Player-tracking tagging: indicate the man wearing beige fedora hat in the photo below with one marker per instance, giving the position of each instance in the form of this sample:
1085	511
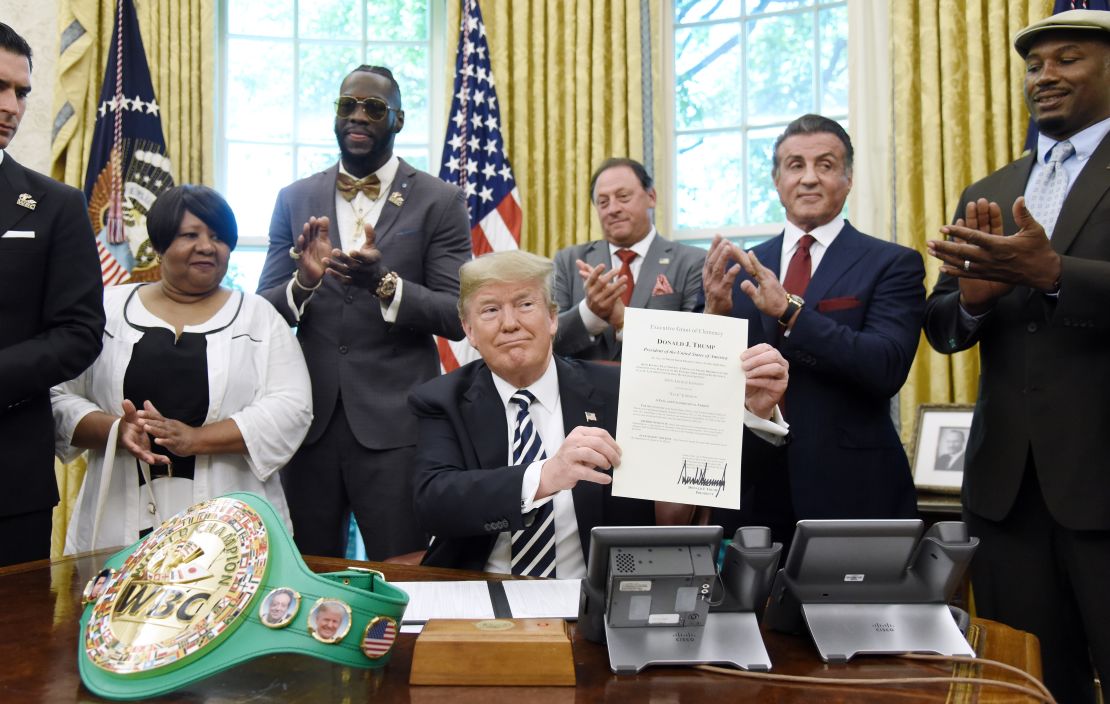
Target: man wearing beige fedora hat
1026	274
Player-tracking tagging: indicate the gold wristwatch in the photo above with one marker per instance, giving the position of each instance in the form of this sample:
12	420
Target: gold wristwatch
387	286
793	305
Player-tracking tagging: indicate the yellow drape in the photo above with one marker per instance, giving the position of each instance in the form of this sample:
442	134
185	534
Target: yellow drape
179	39
958	116
569	85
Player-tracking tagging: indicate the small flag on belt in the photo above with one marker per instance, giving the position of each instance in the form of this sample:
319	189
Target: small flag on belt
379	637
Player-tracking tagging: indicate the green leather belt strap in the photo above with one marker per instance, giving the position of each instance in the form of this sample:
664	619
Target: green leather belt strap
220	584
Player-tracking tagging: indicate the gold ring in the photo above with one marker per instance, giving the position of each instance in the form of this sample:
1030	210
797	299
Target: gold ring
294	254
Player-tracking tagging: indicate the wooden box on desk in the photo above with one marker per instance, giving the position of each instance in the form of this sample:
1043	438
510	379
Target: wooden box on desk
520	651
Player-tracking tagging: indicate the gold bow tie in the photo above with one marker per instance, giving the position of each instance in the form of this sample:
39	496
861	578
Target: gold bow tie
348	186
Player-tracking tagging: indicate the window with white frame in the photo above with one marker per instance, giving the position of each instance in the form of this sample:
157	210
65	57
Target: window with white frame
281	64
742	70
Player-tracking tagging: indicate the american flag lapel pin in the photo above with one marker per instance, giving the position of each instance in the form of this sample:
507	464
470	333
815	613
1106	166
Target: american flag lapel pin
591	417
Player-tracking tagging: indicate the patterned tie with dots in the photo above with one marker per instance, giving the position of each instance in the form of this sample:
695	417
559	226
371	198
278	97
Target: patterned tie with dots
1051	187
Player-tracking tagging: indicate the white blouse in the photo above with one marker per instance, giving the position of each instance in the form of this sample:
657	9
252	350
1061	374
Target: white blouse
256	376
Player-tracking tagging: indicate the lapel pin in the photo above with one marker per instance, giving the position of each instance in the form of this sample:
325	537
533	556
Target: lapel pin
665	260
591	417
26	201
397	199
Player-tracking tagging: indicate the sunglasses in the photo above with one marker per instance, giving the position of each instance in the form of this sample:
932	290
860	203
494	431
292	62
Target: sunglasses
376	108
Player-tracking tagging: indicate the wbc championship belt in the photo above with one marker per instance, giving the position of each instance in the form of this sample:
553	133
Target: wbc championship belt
219	584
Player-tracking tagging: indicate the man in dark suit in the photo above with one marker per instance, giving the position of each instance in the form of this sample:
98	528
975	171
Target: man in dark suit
493	501
391	239
1026	275
593	284
51	317
845	309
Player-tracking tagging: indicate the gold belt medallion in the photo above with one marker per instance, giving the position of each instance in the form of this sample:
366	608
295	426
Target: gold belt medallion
184	588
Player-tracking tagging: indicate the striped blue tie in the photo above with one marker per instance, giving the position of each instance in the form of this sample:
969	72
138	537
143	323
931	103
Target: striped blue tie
533	547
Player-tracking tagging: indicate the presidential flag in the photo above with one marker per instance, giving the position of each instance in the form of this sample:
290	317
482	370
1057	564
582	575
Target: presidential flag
1032	132
128	167
474	158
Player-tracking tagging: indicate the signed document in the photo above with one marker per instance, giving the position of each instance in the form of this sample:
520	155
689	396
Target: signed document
681	416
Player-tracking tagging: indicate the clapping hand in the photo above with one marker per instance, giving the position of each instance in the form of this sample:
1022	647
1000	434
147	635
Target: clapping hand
362	267
979	252
134	438
312	248
175	436
604	291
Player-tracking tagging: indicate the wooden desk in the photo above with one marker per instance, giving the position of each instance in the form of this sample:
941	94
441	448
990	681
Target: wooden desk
39	637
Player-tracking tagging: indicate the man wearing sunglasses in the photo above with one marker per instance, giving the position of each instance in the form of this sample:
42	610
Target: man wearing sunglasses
364	260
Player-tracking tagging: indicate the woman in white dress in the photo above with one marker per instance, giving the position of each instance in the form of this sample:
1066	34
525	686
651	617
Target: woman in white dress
201	390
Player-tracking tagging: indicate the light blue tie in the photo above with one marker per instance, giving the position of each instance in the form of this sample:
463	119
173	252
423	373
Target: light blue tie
1048	193
533	547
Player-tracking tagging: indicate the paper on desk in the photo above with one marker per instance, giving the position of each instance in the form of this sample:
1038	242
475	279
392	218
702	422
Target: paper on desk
540	598
427	600
543	598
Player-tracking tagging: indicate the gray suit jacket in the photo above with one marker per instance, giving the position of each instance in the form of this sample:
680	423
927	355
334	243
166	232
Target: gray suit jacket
681	264
347	344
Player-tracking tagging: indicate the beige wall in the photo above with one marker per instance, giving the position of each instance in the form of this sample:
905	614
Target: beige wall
37	21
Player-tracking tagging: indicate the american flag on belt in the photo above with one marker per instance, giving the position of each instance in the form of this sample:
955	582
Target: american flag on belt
474	158
379	637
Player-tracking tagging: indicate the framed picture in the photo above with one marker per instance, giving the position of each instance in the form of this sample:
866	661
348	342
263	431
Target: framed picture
939	446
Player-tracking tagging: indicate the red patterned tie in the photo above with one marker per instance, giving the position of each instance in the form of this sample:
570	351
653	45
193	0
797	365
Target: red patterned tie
799	270
626	257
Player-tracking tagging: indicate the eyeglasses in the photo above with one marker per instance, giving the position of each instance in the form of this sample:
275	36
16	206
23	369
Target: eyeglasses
376	108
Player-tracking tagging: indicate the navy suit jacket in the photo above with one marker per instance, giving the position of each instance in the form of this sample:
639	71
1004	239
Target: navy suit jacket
465	494
1044	380
850	351
424	235
51	321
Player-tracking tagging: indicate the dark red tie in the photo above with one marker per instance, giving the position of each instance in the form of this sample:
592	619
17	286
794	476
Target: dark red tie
799	270
626	256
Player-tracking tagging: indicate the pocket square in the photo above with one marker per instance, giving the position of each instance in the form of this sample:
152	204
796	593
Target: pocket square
26	234
844	303
662	286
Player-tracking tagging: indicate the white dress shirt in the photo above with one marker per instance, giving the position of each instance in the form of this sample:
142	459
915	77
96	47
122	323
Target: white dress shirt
546	413
824	236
